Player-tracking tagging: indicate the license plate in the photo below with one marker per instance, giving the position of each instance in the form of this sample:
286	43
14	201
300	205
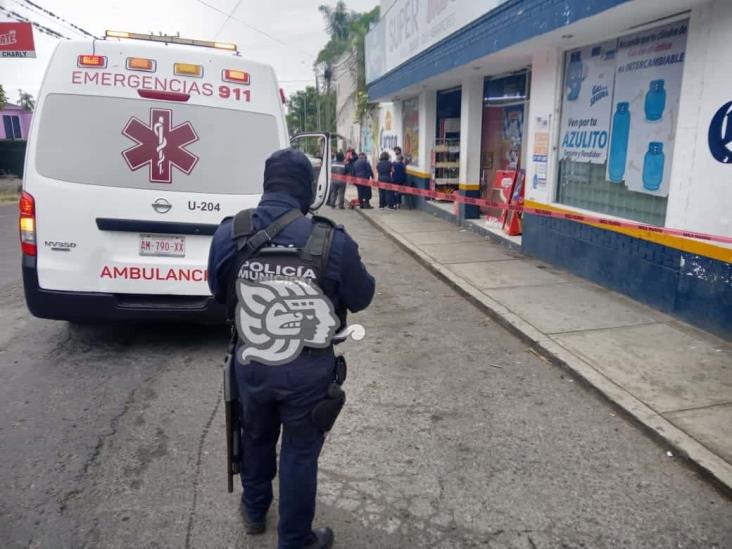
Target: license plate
165	246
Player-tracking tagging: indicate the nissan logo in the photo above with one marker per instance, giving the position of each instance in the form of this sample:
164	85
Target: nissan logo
161	205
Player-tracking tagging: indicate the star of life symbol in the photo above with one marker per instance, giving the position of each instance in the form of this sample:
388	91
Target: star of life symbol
277	317
160	145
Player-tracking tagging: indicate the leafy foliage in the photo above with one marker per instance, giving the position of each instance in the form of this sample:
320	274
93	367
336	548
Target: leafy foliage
3	98
304	106
26	101
315	109
347	30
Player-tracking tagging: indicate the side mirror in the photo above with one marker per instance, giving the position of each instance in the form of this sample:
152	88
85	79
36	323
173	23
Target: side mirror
316	147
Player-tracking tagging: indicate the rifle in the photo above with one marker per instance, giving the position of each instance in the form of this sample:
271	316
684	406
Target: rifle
233	413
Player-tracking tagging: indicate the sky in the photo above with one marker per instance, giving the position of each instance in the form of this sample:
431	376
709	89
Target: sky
284	33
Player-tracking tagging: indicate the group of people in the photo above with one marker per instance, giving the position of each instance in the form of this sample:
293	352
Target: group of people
388	170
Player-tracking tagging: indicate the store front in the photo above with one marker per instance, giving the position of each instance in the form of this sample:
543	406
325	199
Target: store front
611	109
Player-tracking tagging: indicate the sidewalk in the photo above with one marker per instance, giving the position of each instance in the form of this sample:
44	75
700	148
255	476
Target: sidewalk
674	379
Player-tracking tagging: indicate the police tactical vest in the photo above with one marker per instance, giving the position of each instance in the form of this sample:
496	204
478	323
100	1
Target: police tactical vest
276	298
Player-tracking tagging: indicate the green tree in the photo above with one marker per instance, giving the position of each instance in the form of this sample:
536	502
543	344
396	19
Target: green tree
347	30
3	99
338	20
26	101
302	111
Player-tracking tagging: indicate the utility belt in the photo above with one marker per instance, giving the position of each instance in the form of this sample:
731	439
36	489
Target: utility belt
312	351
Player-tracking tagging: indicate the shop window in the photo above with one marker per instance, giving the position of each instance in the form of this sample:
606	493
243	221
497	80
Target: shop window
619	110
12	126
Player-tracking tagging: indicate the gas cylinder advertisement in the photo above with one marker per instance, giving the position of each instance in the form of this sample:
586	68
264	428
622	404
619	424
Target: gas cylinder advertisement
645	108
620	107
588	88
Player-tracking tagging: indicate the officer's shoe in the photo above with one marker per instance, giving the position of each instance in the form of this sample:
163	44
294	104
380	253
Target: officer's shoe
323	539
251	527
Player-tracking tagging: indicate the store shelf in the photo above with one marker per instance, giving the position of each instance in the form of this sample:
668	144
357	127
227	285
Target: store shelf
446	164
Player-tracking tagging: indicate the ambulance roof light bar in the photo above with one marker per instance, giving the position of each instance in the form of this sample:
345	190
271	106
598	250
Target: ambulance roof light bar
167	39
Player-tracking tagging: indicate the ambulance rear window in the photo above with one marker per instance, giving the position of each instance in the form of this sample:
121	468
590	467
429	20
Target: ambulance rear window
159	145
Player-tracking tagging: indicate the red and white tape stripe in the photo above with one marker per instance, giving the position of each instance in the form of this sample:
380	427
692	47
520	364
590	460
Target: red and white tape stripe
462	199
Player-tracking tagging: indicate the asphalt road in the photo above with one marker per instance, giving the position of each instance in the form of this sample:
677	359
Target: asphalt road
454	435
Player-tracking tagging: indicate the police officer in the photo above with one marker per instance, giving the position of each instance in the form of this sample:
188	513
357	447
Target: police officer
275	398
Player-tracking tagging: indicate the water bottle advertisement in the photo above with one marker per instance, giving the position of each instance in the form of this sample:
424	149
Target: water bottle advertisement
588	87
649	67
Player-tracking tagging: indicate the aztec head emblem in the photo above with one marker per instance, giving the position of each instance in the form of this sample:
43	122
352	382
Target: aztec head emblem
276	318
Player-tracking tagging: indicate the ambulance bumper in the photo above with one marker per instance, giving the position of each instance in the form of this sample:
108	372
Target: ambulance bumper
108	307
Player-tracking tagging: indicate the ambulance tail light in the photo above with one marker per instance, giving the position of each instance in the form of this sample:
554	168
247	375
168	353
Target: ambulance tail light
27	207
283	97
188	69
140	64
237	77
92	61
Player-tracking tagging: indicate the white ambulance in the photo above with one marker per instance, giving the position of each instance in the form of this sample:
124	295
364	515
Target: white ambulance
138	149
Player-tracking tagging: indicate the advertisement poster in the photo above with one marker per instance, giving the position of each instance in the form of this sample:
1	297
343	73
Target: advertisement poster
588	89
387	134
645	108
410	127
513	131
541	152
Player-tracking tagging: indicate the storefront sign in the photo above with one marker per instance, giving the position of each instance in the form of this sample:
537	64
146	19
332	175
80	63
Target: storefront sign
646	103
410	26
16	40
588	87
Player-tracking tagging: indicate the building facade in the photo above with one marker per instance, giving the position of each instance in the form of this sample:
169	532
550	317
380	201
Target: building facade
612	108
15	122
345	83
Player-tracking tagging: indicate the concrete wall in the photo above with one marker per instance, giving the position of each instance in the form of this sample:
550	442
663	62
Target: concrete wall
345	83
700	197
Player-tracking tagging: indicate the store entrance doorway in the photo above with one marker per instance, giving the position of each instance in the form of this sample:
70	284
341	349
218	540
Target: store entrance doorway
446	157
503	147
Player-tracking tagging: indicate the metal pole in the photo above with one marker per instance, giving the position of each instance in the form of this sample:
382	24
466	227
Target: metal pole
317	100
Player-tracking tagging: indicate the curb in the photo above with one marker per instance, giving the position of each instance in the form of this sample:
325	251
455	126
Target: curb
710	465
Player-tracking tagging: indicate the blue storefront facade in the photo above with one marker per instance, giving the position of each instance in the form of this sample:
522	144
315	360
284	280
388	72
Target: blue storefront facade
611	108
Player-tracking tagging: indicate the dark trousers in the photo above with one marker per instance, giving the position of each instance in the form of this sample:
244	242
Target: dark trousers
364	193
395	198
337	194
384	198
410	201
271	397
